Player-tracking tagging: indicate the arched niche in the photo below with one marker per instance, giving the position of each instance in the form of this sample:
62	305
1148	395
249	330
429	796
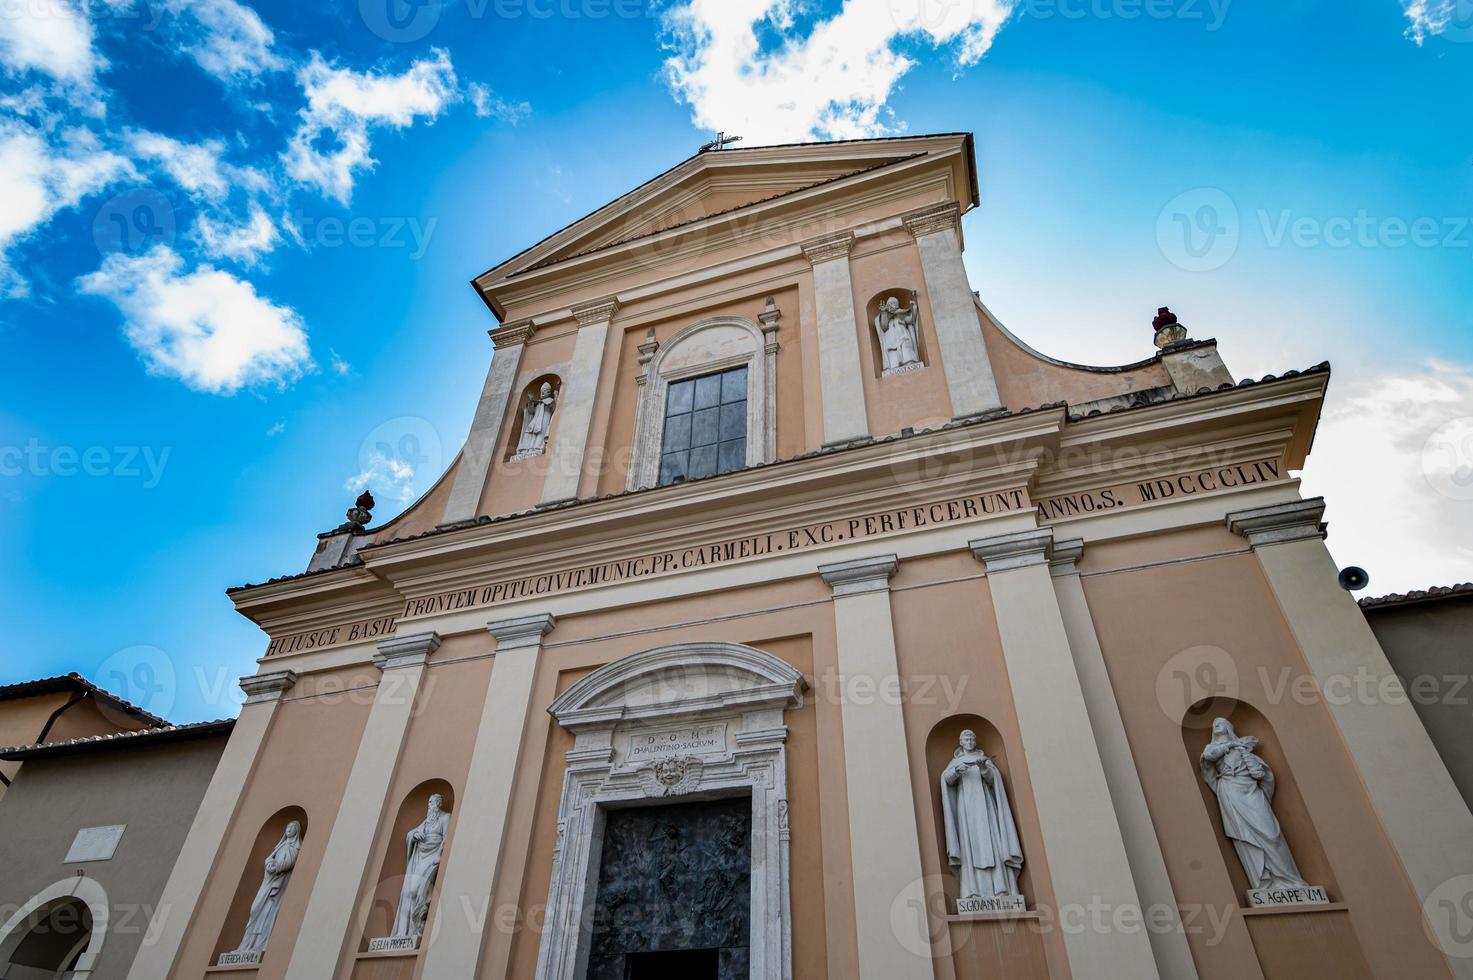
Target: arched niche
65	923
519	417
384	900
1288	802
941	746
250	876
676	724
909	299
707	347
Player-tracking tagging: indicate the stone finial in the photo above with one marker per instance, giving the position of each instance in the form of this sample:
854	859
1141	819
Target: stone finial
362	510
1168	328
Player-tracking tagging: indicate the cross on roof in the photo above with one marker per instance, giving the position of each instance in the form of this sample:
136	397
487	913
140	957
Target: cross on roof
721	142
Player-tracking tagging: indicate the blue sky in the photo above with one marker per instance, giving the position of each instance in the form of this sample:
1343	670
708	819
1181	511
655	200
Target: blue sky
235	240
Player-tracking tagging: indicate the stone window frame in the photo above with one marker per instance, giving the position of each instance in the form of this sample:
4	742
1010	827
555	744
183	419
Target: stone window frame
745	689
761	364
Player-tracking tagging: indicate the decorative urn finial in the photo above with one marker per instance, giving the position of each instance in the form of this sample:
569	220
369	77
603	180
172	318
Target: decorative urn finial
1168	328
362	510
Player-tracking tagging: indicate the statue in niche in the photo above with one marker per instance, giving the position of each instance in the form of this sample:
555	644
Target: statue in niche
425	842
537	421
896	327
1244	785
279	865
981	838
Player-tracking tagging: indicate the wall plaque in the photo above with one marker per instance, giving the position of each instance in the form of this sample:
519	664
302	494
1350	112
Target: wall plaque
95	844
685	740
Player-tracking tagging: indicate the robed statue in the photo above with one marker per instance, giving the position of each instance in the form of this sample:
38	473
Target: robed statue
981	838
537	421
279	865
1244	785
426	842
895	325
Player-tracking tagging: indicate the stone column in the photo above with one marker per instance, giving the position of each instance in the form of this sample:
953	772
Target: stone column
963	351
212	822
458	934
1142	848
576	401
889	900
1426	819
841	380
491	411
1086	849
334	895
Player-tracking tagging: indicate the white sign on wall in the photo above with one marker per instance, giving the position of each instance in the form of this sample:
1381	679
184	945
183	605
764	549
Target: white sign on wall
95	844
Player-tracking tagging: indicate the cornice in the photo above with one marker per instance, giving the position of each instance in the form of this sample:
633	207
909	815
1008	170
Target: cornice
597	311
1302	520
1064	557
942	217
411	650
1021	549
829	248
524	631
270	686
513	333
859	576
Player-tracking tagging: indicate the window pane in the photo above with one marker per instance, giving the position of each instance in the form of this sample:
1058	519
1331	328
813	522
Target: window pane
734	421
708	391
678	398
677	433
705	430
733	455
672	467
702	462
734	385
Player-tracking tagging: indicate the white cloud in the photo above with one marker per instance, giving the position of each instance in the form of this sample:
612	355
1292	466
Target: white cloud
387	477
244	242
1428	17
331	143
227	39
487	103
196	167
276	430
53	37
834	82
39	178
1394	459
340	366
206	327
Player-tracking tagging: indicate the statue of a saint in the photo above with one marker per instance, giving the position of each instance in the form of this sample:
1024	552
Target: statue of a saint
981	838
267	904
425	844
895	325
1244	785
537	421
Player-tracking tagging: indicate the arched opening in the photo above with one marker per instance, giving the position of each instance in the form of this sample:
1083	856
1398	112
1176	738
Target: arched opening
384	902
58	933
252	876
1288	800
522	445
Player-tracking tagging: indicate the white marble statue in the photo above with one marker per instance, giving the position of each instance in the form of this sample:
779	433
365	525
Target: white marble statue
981	838
425	844
267	904
537	421
1244	785
896	327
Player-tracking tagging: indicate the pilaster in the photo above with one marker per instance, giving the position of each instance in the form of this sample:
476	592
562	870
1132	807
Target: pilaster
890	910
841	382
964	356
324	933
474	859
579	395
1081	833
1425	817
510	341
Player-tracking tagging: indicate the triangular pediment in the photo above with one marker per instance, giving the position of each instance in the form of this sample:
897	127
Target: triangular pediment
713	184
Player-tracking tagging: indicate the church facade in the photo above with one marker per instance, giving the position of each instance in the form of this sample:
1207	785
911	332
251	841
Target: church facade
784	616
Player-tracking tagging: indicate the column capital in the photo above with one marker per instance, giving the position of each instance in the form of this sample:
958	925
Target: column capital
860	575
940	217
597	311
1300	520
1063	555
1020	549
829	248
513	333
406	651
524	631
268	687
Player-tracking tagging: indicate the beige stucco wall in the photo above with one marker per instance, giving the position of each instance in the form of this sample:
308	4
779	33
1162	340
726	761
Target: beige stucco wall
23	719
